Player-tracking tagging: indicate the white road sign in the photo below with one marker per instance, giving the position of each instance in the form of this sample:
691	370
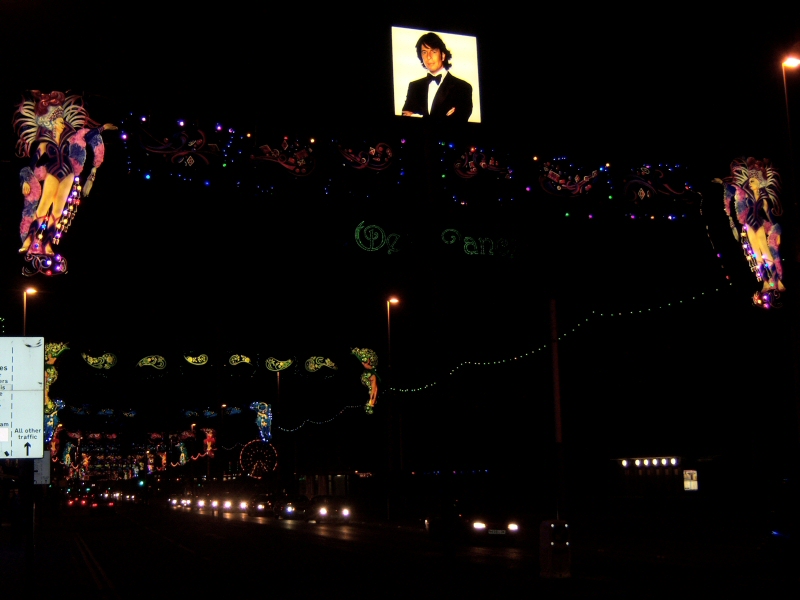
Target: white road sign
21	397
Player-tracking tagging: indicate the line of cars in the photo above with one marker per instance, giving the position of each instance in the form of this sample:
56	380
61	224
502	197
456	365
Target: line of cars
92	502
319	509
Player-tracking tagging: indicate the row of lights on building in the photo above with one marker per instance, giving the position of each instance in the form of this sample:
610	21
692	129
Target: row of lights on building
647	462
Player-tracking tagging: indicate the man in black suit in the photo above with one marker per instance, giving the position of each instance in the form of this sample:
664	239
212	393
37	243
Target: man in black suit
439	95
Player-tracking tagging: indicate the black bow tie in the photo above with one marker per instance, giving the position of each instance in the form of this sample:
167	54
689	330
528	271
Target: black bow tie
437	79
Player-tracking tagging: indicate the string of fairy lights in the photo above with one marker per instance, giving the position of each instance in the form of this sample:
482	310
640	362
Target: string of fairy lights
544	347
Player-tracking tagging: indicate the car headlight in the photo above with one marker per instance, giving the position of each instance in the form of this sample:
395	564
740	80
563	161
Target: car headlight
346	512
513	527
227	504
243	505
290	508
260	507
323	511
201	503
478	525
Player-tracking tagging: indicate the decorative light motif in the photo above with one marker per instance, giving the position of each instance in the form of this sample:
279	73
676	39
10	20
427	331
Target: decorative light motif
753	184
559	179
294	156
181	148
374	238
377	158
315	363
263	419
106	361
155	361
199	360
238	359
273	364
473	161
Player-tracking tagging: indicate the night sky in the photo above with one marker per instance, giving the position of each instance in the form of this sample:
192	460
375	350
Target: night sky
664	351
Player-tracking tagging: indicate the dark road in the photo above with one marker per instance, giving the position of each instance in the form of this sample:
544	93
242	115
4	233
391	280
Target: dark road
161	552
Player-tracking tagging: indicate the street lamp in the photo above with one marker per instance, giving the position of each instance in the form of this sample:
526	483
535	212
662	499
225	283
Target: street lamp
389	303
25	309
791	61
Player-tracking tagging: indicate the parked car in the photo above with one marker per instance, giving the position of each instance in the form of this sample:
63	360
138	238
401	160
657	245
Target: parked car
292	507
263	504
329	509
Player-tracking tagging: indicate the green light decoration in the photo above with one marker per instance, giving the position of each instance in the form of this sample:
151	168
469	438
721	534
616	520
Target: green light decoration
315	363
155	361
481	245
375	238
106	361
238	359
273	364
199	360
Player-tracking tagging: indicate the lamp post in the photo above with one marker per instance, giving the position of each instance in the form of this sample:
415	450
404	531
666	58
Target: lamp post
25	309
389	303
792	62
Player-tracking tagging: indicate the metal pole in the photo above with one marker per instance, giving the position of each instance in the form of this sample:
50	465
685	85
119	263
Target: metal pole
24	313
560	466
556	376
388	334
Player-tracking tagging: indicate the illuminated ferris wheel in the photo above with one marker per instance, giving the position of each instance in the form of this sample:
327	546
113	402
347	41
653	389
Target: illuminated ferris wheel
258	458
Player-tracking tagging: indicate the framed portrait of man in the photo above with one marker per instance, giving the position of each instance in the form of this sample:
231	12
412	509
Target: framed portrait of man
435	75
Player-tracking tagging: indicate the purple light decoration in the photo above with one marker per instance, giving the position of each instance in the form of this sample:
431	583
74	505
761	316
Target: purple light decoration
403	141
633	216
591	216
527	188
219	127
181	123
144	119
124	136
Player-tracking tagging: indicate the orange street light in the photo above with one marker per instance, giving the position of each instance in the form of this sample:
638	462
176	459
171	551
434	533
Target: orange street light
25	309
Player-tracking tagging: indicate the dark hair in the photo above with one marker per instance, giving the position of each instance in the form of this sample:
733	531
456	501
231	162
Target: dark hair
432	40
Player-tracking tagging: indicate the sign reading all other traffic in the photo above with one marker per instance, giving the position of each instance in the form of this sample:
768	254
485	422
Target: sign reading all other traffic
21	397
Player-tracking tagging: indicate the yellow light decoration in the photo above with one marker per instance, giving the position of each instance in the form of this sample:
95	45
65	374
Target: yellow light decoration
238	359
106	361
315	363
273	364
155	361
202	359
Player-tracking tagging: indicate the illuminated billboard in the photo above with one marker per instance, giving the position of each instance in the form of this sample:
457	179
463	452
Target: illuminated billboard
435	75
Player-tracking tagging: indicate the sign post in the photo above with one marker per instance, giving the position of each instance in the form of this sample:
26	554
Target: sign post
21	397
